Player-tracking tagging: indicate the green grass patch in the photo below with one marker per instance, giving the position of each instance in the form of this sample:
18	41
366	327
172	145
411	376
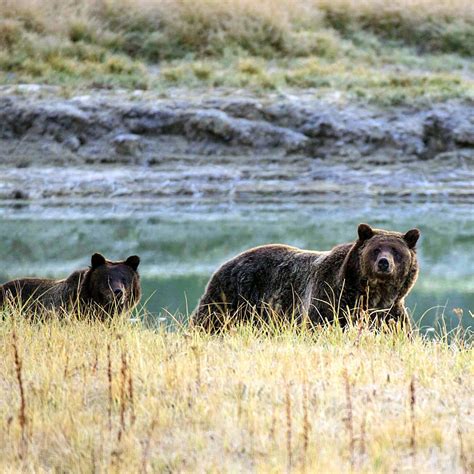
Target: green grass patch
378	53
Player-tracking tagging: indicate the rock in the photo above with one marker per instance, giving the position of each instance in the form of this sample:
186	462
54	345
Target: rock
19	194
437	135
464	132
72	143
89	124
217	125
213	125
243	108
127	144
322	127
154	121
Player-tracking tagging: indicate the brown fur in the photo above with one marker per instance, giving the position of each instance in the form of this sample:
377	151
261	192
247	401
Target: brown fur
105	285
294	283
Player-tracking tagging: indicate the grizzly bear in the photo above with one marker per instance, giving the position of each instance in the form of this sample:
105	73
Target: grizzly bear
370	276
106	287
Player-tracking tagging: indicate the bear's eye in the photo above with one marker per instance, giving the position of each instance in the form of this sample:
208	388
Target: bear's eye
376	251
396	254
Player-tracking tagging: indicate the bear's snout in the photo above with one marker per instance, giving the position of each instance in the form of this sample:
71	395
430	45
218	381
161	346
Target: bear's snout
118	293
383	264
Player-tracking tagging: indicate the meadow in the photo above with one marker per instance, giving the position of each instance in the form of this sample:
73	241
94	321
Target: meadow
376	51
134	396
114	397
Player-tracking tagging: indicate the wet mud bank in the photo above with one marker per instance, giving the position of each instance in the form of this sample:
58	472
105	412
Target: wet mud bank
111	145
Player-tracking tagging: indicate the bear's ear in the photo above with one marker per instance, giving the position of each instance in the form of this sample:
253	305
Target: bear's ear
365	232
411	237
97	260
133	262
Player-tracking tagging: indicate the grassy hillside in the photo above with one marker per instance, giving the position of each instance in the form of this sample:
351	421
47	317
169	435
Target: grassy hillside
374	50
110	398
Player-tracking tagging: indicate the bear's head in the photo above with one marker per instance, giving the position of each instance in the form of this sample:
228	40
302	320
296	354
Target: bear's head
387	256
113	286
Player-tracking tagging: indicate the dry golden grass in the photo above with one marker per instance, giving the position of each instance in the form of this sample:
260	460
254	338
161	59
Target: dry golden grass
123	398
355	48
171	28
416	10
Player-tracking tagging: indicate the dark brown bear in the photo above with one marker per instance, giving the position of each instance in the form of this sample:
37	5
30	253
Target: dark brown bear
107	287
371	275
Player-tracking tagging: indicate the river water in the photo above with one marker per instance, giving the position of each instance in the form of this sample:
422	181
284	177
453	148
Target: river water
181	242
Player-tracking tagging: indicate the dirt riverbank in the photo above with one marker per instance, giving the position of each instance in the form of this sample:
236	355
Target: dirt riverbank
136	145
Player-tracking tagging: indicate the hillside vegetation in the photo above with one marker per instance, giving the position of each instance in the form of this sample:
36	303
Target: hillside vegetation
123	398
372	49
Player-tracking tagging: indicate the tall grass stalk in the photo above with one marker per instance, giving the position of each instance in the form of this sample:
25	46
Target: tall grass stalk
22	418
289	425
349	417
123	394
412	418
109	385
306	424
